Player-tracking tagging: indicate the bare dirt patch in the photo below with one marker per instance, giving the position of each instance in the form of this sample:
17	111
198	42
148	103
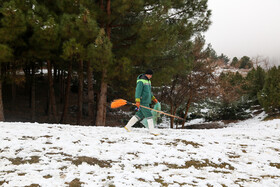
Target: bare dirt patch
33	185
2	182
62	168
177	141
200	164
161	181
18	150
19	161
59	153
233	155
90	161
271	176
27	138
77	142
147	143
192	163
75	183
277	165
212	125
46	136
272	116
21	174
47	176
135	154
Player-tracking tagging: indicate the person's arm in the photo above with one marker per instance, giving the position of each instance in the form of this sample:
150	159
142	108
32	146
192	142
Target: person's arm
154	99
138	92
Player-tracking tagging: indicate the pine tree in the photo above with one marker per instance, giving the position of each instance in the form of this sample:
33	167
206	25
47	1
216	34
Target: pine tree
78	23
101	54
117	39
5	56
12	25
191	86
245	63
72	51
148	34
42	43
255	81
269	96
235	62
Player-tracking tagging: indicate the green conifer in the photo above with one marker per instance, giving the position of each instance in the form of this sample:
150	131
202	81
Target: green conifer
269	97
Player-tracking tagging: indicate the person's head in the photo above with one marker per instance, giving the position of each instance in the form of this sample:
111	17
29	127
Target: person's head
149	73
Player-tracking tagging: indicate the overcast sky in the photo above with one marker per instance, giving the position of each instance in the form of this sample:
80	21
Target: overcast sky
245	28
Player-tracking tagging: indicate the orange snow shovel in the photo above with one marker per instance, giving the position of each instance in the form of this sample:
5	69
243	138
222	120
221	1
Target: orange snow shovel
121	102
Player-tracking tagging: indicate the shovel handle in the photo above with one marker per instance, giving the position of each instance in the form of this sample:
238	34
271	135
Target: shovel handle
158	111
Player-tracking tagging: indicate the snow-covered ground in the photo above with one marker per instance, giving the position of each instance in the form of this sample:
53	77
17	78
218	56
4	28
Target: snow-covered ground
244	154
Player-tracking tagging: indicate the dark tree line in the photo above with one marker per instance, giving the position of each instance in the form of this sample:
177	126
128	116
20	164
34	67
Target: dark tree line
98	45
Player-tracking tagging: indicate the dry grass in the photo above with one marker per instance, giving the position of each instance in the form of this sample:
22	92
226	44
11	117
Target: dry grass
61	153
272	117
200	164
177	141
192	163
90	161
75	183
233	155
47	176
21	174
2	182
33	185
277	165
19	161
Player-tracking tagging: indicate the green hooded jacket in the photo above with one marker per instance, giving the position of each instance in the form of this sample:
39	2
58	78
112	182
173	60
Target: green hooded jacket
143	92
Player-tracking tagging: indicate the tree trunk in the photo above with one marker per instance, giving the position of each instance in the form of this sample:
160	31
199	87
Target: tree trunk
171	118
102	101
90	92
62	86
187	110
101	112
80	93
55	73
66	99
108	27
2	118
52	104
14	89
33	97
173	112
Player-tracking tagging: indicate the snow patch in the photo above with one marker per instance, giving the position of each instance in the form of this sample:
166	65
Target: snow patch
244	154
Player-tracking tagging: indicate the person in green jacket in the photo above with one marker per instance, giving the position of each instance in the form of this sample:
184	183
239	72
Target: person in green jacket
144	97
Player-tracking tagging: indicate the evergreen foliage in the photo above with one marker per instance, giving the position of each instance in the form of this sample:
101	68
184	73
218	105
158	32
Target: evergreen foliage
269	96
224	58
234	62
117	39
193	82
255	82
215	110
233	111
245	63
100	51
6	53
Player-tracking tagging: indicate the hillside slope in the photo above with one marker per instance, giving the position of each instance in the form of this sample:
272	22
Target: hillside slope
246	154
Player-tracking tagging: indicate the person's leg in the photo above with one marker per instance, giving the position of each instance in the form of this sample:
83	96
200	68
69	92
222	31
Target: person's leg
138	116
130	123
152	129
148	115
